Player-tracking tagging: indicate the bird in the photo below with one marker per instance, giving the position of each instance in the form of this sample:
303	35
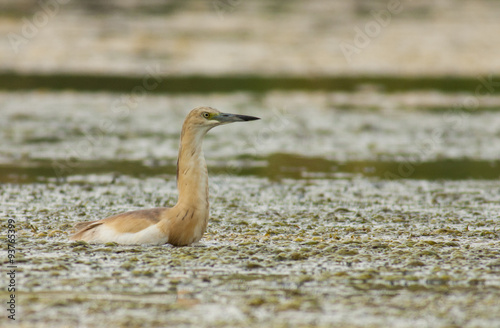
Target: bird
186	222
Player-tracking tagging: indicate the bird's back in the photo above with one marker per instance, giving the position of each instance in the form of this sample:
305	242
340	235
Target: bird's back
135	227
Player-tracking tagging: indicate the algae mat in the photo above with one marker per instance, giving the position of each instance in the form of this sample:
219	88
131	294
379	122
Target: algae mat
295	253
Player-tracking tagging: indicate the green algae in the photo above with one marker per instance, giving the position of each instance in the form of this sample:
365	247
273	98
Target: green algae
287	258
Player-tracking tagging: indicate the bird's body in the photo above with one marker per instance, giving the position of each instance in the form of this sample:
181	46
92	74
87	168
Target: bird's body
184	223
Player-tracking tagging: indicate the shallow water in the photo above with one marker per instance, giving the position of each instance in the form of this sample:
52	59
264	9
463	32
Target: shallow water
413	127
297	252
274	167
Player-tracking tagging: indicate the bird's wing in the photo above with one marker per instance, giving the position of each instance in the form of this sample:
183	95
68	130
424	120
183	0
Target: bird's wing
129	222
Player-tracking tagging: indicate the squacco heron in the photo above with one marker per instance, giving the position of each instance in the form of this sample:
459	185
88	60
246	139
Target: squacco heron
184	223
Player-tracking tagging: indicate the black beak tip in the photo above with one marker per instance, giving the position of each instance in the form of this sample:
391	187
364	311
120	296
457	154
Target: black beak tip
249	118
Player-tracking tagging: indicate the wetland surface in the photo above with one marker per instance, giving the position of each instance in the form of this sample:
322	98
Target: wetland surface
336	209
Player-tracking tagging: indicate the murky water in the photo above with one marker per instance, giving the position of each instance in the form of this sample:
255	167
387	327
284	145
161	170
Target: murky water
297	252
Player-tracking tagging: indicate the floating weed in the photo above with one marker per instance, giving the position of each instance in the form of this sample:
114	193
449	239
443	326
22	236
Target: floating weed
390	257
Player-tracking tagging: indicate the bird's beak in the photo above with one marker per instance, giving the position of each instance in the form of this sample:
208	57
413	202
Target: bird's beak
229	118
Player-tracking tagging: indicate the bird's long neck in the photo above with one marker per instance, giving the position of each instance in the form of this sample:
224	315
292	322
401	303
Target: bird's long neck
192	174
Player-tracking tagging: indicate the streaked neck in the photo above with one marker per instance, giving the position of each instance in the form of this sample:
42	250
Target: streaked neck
192	174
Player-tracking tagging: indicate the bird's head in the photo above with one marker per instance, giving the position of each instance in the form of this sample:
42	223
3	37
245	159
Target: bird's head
205	118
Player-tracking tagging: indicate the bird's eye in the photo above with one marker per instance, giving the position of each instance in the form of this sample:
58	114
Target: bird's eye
206	114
